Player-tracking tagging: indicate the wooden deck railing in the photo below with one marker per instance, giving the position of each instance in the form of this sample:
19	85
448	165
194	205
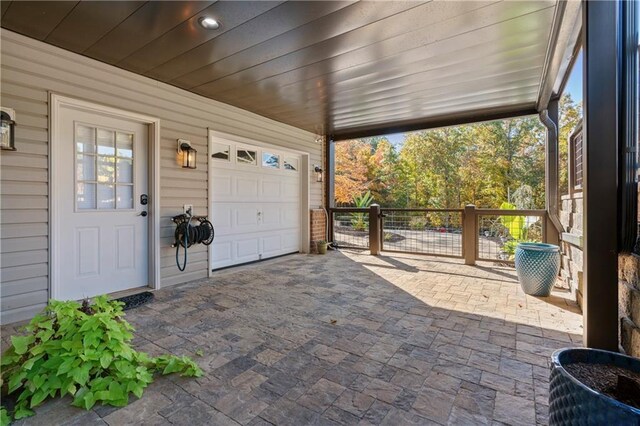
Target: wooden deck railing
470	233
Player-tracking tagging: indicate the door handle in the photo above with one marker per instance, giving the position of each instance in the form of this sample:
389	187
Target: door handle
143	214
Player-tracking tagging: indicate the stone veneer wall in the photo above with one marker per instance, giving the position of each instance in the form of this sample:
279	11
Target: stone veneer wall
629	303
628	274
571	244
318	227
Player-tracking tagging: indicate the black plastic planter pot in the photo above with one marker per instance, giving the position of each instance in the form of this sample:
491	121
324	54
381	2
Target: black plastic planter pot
573	403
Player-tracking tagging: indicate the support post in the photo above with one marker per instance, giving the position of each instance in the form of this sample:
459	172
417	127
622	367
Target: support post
374	229
329	182
601	91
552	182
469	235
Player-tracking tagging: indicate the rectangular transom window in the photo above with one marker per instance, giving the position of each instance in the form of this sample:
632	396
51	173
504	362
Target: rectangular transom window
291	163
104	169
271	161
220	151
246	156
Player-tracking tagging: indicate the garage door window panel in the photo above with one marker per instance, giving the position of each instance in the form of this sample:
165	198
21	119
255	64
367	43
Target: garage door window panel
270	161
247	156
221	151
291	164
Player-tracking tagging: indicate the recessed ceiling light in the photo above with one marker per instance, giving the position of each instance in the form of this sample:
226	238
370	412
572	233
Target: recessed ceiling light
209	23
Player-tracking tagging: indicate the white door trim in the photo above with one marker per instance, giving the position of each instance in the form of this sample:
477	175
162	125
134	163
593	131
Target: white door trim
56	102
305	181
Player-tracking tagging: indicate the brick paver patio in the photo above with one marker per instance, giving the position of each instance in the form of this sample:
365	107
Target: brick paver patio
347	338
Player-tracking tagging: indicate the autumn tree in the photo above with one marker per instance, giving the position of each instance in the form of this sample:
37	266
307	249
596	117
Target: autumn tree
570	116
483	163
352	168
383	172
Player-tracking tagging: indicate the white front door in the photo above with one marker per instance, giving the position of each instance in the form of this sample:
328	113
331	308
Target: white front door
101	174
255	202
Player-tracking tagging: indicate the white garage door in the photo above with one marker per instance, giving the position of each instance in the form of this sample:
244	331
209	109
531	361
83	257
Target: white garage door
255	205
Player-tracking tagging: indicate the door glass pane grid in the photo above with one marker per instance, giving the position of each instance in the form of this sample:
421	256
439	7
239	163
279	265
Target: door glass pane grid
104	169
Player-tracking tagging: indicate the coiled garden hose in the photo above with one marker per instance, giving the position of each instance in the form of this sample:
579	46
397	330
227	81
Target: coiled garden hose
186	235
185	243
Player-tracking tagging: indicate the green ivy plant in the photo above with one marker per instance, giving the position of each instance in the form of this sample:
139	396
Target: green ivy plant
5	419
83	350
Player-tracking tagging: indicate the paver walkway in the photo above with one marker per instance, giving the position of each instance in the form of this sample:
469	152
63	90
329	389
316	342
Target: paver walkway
347	338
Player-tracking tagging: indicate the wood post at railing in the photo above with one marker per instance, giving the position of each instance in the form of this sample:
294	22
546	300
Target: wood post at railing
469	235
374	229
549	232
330	230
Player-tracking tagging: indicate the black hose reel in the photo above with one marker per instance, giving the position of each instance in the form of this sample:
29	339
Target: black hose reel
187	234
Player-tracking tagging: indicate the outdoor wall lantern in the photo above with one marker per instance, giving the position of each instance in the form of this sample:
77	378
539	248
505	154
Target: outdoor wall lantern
8	129
186	154
318	172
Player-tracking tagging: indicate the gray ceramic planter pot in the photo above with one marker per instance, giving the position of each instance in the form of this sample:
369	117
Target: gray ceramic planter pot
573	403
537	265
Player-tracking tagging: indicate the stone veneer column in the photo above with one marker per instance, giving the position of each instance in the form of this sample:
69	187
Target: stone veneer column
629	303
318	228
571	244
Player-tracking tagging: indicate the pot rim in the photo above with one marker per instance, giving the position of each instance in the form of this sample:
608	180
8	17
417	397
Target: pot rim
550	248
555	361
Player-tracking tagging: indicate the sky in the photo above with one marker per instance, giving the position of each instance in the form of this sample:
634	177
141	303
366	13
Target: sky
573	87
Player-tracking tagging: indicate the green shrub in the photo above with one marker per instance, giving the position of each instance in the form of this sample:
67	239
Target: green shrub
4	417
359	222
83	350
510	247
435	220
418	223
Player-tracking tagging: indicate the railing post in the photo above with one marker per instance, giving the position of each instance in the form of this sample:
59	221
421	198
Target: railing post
469	235
329	212
374	229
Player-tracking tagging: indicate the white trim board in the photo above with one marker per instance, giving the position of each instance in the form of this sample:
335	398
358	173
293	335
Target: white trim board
56	103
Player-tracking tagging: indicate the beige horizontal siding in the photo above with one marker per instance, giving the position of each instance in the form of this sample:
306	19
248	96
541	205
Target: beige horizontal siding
29	71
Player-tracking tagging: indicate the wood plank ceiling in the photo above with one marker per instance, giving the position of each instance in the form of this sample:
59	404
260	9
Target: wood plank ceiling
325	66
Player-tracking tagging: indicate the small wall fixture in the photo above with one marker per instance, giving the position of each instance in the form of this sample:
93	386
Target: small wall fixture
7	129
209	23
186	154
318	170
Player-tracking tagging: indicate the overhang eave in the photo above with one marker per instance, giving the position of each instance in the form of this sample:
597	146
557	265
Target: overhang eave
445	120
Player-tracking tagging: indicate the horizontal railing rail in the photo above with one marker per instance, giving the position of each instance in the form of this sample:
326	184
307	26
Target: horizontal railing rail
350	210
388	209
534	212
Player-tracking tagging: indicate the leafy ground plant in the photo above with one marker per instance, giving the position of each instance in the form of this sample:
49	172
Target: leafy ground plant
358	219
83	350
